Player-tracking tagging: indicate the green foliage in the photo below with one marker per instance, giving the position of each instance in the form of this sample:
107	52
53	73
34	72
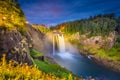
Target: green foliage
35	53
117	45
113	52
50	68
98	25
44	30
8	71
53	69
41	28
93	51
12	17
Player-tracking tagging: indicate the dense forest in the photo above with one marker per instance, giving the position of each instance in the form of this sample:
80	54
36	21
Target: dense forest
94	25
102	36
100	25
21	43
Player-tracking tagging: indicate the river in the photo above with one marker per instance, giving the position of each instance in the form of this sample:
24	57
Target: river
80	65
83	66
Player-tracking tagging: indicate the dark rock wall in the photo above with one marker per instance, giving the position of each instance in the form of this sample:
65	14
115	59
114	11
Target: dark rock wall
15	46
8	40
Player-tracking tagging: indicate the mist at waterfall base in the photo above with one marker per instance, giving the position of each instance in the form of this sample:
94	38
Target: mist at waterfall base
64	50
68	57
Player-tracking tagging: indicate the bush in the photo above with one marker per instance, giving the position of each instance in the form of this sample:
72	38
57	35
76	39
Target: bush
52	68
112	52
8	71
35	53
12	17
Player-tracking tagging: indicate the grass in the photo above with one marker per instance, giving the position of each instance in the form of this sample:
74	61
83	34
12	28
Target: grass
35	53
12	17
109	54
39	71
49	68
8	71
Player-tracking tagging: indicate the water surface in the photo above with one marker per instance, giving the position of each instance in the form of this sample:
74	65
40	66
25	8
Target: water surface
83	66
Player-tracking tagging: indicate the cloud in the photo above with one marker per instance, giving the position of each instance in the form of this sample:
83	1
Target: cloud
58	11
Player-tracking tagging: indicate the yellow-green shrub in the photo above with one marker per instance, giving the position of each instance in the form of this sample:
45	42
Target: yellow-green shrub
11	71
12	17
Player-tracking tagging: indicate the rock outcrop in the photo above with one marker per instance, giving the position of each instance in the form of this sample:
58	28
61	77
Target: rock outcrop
37	37
17	37
40	41
15	46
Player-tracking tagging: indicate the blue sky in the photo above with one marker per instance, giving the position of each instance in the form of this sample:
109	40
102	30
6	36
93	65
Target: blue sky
52	12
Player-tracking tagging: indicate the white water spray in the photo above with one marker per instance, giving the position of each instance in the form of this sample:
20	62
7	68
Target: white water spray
53	46
61	43
61	47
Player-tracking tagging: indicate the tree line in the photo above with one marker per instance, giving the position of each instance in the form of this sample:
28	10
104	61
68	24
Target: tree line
93	26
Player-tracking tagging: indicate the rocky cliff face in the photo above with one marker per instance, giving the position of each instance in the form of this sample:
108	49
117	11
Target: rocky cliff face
40	41
15	46
12	26
94	40
36	37
16	36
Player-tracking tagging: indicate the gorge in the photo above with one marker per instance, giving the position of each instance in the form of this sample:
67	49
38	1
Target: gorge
81	66
77	49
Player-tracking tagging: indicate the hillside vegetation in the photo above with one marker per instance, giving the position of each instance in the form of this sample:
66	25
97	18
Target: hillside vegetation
15	63
24	72
41	28
12	17
49	68
98	36
93	26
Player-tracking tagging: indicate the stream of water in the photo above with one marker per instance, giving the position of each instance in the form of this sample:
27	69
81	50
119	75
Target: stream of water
82	66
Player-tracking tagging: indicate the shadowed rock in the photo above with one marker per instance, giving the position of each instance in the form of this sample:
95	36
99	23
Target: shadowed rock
15	46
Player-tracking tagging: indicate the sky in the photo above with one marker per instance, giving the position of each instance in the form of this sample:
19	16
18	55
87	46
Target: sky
52	12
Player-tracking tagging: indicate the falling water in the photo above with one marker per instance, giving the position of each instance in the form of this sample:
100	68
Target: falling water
53	46
61	43
79	65
61	47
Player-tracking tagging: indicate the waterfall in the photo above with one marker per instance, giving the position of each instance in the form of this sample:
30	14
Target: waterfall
53	45
61	43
